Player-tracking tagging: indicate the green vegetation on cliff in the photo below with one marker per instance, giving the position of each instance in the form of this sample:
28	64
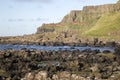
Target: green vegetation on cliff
107	25
93	21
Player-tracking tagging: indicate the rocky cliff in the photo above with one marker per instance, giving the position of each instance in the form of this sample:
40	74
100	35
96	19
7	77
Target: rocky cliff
82	20
90	13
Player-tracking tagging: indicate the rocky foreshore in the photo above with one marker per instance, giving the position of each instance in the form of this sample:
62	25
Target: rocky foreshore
59	65
95	42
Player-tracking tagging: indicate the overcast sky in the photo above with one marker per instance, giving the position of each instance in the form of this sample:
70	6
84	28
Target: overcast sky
19	17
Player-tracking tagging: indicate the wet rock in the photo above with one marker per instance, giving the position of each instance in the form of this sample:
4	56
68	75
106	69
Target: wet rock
7	55
87	50
117	50
106	51
111	44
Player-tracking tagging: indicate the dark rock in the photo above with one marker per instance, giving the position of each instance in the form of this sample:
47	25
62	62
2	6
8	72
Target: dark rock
106	51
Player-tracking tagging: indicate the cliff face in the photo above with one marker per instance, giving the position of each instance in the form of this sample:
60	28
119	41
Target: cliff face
71	17
87	17
90	13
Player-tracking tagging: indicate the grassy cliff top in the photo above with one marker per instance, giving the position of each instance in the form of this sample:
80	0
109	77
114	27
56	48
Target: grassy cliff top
108	25
92	21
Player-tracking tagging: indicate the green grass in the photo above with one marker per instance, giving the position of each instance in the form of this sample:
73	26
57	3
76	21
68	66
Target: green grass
107	25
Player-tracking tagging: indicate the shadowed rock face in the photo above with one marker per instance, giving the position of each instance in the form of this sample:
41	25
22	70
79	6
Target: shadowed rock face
45	30
71	17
